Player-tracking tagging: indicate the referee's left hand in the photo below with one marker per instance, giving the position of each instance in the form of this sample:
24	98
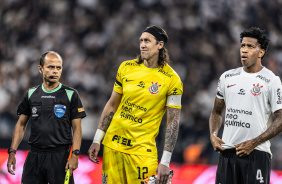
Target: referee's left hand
245	148
72	164
162	174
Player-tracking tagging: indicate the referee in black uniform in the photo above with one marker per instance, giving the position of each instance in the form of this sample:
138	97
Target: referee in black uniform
54	112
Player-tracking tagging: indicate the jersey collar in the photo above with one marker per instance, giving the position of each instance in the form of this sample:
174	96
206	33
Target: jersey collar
53	90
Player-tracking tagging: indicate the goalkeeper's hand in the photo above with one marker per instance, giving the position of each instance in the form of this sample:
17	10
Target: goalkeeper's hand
93	152
162	174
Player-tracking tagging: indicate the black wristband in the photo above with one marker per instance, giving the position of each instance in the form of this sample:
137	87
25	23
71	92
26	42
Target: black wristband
76	152
11	150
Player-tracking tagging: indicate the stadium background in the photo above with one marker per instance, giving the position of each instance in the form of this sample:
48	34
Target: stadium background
94	37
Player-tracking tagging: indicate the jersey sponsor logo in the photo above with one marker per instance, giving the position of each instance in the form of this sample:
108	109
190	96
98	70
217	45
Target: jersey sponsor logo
104	178
122	140
126	80
165	73
175	91
134	106
279	101
242	92
34	111
228	86
239	111
263	78
231	119
154	89
256	90
59	110
218	83
131	64
126	113
237	123
232	74
141	84
48	96
128	116
80	109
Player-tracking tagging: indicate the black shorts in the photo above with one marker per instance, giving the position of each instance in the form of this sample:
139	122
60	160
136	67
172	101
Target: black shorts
46	166
252	169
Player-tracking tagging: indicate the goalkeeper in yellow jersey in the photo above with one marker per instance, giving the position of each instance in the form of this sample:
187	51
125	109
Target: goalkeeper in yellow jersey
144	89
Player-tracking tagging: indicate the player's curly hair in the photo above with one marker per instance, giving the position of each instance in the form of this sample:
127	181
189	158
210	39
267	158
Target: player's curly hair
163	53
260	35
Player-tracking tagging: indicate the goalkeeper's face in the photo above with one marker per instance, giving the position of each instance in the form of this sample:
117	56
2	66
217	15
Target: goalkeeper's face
149	47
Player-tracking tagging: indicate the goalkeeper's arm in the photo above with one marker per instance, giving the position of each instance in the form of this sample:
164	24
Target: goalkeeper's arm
105	120
173	117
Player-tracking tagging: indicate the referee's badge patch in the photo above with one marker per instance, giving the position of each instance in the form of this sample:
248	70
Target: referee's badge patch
154	89
59	110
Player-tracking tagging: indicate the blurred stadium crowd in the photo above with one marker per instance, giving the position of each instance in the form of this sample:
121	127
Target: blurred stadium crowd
94	37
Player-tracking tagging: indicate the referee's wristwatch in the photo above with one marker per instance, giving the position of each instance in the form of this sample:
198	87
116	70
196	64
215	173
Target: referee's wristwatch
76	152
11	150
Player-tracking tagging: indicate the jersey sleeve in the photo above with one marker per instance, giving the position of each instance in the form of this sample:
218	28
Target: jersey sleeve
220	87
77	110
23	107
174	93
118	83
275	95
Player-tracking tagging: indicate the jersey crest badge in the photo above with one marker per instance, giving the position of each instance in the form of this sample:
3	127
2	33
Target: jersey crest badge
154	89
256	90
59	110
34	110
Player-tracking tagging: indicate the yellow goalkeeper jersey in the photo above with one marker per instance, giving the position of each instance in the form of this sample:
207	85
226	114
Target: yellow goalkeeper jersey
136	122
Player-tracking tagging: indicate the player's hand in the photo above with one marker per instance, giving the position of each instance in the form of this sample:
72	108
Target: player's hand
72	164
162	174
93	152
11	161
216	143
245	148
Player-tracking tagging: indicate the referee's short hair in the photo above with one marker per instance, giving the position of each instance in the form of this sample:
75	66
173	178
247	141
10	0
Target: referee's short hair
42	58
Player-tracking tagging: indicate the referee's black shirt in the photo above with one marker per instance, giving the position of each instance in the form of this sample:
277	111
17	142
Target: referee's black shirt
51	113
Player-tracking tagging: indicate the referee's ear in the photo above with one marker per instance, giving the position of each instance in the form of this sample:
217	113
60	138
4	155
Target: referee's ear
40	68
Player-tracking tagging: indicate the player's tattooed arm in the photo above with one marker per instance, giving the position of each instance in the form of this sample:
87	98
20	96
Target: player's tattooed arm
107	119
245	148
215	123
109	111
215	120
173	117
272	131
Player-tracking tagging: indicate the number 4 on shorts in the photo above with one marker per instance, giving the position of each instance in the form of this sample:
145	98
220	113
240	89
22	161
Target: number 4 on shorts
259	176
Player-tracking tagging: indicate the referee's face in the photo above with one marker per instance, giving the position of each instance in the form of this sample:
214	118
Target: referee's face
52	68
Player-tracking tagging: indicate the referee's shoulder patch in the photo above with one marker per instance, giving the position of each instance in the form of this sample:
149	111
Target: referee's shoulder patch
80	109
